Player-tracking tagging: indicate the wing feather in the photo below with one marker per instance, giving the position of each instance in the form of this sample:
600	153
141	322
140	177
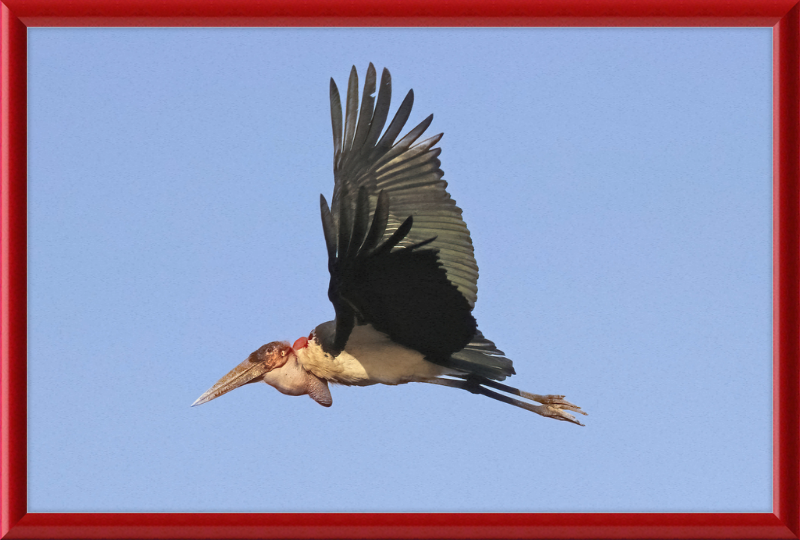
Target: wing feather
352	110
336	122
367	104
381	109
397	123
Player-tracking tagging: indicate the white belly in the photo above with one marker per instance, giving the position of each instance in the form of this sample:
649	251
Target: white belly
369	357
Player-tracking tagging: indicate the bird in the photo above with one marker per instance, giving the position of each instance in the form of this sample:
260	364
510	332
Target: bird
403	275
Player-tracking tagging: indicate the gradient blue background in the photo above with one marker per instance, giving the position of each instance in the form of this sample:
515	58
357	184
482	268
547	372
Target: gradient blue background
617	183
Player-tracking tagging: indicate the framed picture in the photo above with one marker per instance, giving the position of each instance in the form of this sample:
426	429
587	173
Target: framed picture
637	253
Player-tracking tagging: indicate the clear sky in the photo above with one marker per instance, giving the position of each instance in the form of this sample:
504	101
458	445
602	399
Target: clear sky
617	183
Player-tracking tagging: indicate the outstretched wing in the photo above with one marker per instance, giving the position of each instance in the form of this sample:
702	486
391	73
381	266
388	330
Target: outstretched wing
411	273
408	171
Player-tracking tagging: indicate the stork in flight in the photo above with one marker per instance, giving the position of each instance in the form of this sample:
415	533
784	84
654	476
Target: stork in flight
404	279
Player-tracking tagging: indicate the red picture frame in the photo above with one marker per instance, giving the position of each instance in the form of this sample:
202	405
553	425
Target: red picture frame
782	15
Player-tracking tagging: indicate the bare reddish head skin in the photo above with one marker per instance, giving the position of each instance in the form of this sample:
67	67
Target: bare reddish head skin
300	343
273	355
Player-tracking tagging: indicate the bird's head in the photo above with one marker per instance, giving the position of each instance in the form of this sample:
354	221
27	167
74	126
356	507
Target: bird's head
276	364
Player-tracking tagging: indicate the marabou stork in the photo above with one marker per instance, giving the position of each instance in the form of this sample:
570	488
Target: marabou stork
403	274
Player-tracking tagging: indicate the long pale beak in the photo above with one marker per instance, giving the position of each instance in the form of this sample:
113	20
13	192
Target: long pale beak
242	374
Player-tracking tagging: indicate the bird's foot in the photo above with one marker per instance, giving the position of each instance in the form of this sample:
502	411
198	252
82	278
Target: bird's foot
556	407
558	402
558	411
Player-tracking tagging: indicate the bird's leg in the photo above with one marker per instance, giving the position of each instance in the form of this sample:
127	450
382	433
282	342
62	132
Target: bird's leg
550	409
545	400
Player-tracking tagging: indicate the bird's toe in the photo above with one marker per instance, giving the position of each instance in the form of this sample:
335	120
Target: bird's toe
558	402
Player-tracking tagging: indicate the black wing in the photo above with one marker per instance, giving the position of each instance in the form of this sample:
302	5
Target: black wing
409	173
411	273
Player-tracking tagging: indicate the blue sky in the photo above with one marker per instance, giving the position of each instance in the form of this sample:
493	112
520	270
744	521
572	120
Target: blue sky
617	183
